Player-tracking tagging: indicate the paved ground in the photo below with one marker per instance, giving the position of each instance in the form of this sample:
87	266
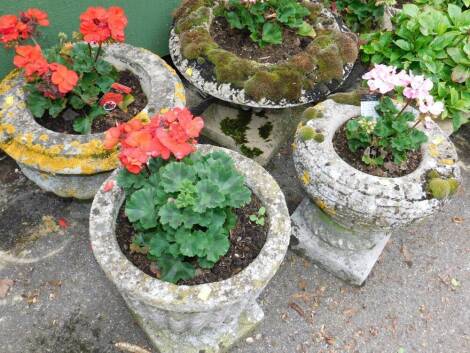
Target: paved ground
416	300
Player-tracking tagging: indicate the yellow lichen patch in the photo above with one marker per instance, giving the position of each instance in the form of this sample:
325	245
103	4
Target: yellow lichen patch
91	157
447	161
164	110
438	140
7	128
324	207
189	71
433	151
305	178
179	92
294	146
21	105
142	116
44	138
5	85
9	100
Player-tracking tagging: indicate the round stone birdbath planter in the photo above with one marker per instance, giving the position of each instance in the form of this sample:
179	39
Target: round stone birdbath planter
202	318
346	219
318	69
76	165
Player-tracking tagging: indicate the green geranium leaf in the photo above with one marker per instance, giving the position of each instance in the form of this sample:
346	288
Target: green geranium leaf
76	102
104	68
174	174
37	104
272	33
130	182
140	207
219	246
209	196
57	106
171	215
175	269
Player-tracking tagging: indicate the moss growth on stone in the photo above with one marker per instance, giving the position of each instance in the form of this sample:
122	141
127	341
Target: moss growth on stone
236	128
439	188
432	174
330	65
196	43
264	84
188	6
311	113
230	68
351	98
306	133
347	43
250	152
454	185
196	18
265	130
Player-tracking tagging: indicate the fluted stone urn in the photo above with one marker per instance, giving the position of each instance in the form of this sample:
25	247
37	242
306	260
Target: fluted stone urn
352	212
202	318
76	165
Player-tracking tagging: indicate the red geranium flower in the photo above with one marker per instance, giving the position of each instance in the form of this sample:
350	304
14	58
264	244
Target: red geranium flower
94	25
121	88
8	30
173	133
63	78
37	16
98	24
30	58
111	97
117	23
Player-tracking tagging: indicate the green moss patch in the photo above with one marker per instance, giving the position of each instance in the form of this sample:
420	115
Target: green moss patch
265	130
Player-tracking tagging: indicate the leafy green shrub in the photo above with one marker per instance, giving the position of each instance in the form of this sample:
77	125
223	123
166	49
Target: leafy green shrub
360	15
434	42
183	210
266	19
391	134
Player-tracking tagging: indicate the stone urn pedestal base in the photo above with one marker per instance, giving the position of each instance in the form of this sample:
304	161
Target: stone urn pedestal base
212	340
334	248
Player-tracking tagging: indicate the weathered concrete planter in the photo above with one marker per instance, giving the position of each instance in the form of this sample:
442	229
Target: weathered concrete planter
203	318
347	219
76	165
204	76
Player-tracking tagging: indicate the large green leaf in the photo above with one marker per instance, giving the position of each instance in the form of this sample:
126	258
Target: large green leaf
175	269
175	174
140	207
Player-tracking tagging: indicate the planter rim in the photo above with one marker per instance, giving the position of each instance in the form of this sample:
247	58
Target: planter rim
28	142
227	92
135	283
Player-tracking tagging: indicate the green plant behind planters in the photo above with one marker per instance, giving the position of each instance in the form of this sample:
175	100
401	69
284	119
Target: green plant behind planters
432	42
443	3
360	15
266	20
183	211
389	135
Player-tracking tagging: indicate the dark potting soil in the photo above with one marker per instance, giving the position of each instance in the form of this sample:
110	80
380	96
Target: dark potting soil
246	241
64	122
388	169
238	42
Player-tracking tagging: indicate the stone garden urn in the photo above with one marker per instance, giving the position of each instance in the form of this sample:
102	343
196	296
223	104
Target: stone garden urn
347	218
76	165
202	318
318	68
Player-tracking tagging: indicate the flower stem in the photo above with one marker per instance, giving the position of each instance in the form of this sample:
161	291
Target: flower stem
403	109
90	50
98	53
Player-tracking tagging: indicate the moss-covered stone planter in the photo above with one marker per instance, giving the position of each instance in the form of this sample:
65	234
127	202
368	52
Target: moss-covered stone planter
203	318
305	77
358	200
76	165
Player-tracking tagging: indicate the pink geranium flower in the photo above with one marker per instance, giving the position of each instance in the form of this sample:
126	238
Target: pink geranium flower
419	87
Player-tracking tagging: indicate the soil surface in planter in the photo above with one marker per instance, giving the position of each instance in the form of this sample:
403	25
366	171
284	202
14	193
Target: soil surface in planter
64	122
246	241
388	169
238	42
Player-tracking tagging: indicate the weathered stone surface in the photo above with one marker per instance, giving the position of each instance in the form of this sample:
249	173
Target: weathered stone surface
361	201
257	135
207	317
49	154
311	226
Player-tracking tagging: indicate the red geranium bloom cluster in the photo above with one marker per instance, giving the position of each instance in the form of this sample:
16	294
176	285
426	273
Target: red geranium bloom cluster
173	133
13	28
30	58
99	25
57	79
